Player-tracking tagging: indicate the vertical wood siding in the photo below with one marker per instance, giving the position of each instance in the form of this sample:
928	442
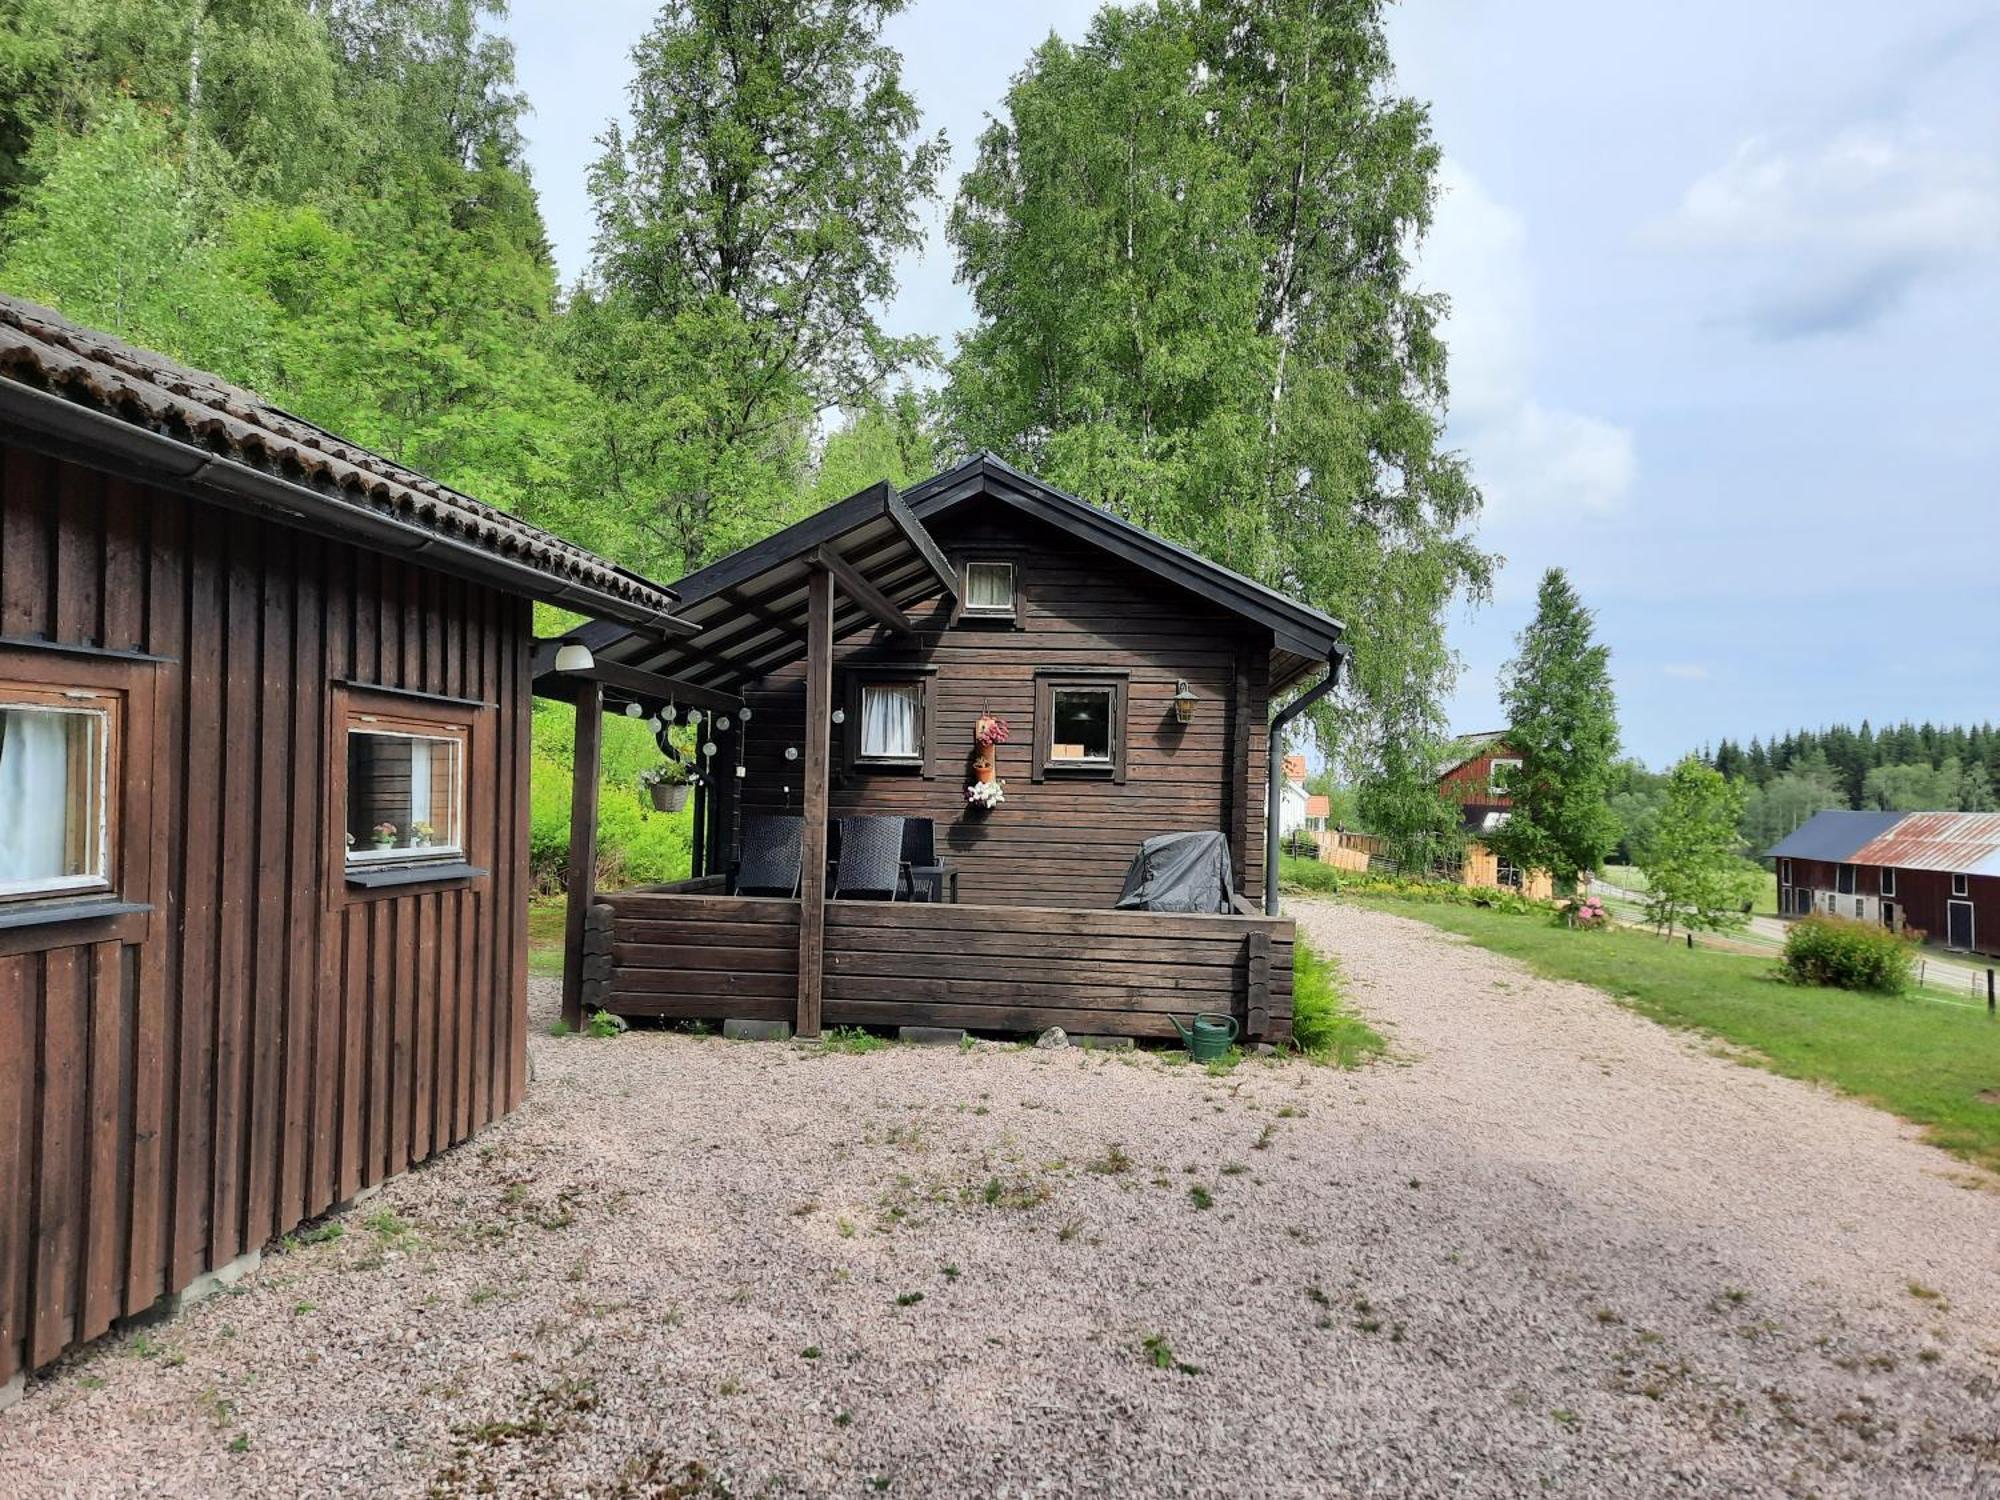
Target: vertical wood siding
1060	841
262	1046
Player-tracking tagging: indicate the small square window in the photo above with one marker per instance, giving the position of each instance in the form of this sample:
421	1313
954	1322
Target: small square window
1498	777
1509	874
989	590
1080	726
1959	885
405	792
892	721
55	757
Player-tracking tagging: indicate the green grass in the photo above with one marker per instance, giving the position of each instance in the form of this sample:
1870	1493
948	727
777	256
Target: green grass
1929	1063
1764	903
1322	1025
545	936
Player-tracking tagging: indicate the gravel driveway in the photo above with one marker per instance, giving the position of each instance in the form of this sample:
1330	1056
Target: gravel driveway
1549	1247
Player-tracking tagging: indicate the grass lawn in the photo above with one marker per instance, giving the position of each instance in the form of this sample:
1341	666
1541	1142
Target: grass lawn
545	936
1934	1065
1632	878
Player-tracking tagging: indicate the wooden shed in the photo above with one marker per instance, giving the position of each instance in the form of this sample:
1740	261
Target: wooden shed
844	665
264	704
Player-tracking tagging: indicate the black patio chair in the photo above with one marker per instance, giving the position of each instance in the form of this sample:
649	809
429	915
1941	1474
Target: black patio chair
770	861
871	859
925	876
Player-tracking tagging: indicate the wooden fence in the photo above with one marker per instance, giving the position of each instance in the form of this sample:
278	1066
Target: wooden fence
983	968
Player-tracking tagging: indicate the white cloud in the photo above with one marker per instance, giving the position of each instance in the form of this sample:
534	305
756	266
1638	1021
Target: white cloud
1529	458
1835	232
1687	671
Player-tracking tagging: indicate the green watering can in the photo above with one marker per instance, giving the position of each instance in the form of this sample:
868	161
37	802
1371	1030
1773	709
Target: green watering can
1209	1037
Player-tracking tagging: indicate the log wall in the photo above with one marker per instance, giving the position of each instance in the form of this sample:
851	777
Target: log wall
178	1085
983	968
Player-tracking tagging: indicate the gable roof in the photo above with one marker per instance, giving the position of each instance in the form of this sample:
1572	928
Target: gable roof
1835	836
85	396
1319	805
1302	637
1468	748
1960	842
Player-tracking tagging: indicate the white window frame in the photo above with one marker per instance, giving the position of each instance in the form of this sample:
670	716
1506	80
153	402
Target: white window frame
1888	880
367	855
1961	884
914	686
1493	775
1784	872
987	611
102	708
1845	881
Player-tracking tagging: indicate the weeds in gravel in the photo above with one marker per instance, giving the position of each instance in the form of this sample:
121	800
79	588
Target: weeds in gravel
852	1039
811	1351
1264	1139
1071	1228
559	1027
1161	1354
908	1299
951	1273
1925	1293
1201	1197
603	1025
1113	1162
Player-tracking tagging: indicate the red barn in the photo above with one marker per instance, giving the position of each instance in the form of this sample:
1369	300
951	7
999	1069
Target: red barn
1936	874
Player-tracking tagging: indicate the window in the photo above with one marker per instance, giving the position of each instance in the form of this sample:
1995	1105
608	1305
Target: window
1888	882
405	792
1785	871
1959	885
888	726
892	720
1844	882
988	592
1497	780
1080	724
1860	907
1509	874
56	749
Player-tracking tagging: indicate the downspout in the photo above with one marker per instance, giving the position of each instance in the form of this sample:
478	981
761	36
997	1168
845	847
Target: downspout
1275	784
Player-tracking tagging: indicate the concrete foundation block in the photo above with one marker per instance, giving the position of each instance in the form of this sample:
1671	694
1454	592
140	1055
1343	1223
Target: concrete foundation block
931	1036
1104	1043
736	1029
12	1392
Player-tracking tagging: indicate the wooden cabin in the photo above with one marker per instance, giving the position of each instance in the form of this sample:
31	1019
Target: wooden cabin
263	821
1474	779
843	665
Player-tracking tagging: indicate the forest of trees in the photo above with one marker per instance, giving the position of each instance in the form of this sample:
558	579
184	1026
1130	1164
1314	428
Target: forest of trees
1187	238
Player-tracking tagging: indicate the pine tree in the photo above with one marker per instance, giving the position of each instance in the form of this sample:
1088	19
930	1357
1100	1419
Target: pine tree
1562	721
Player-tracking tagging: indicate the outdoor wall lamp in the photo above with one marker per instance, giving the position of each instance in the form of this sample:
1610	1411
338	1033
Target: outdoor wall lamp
573	657
1184	701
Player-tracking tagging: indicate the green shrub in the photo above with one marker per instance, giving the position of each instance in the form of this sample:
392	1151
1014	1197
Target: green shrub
1310	875
635	844
1848	955
1322	1026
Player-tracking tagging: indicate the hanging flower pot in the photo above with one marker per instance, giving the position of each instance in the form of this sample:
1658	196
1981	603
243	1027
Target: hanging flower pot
982	768
668	796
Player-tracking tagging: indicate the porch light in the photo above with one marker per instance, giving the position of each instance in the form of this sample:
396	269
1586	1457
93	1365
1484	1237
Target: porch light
791	752
669	714
634	711
708	749
654	724
840	716
1184	701
572	656
743	713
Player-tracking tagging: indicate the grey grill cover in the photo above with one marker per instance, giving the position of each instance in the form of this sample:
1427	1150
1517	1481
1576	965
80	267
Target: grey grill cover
1179	872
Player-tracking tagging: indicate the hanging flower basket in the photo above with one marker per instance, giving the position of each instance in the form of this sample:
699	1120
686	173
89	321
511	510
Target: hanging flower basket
984	796
668	796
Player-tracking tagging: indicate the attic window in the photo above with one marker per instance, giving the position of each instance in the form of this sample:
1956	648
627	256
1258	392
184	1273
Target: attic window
1502	769
989	590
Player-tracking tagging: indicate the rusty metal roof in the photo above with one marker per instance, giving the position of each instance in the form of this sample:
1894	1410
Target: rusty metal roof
1960	842
343	485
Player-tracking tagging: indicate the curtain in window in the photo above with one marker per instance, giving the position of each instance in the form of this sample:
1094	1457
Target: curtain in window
889	720
34	784
989	586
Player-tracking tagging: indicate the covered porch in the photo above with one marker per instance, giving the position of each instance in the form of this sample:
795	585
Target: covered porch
698	950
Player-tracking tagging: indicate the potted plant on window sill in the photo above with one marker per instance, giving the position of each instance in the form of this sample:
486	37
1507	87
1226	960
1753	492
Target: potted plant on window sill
666	784
421	835
384	835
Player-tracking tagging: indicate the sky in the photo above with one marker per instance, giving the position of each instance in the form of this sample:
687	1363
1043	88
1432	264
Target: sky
1724	333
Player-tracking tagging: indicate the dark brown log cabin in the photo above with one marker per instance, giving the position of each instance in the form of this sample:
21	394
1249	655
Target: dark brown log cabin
217	1020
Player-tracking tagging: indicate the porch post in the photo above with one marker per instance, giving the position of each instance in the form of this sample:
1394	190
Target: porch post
586	775
819	734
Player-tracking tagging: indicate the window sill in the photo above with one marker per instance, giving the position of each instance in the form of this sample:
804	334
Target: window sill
889	767
81	909
363	877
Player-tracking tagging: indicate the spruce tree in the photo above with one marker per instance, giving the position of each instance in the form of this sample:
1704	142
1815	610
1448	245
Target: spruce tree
1562	722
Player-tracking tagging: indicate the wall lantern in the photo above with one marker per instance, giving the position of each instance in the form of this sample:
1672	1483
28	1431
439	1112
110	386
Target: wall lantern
1184	702
840	716
743	713
572	657
791	752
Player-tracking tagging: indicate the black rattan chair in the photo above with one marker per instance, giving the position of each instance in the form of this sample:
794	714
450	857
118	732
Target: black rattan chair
871	859
770	861
925	876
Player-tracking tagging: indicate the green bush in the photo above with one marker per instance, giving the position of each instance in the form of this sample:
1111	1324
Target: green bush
635	844
1322	1026
1847	955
